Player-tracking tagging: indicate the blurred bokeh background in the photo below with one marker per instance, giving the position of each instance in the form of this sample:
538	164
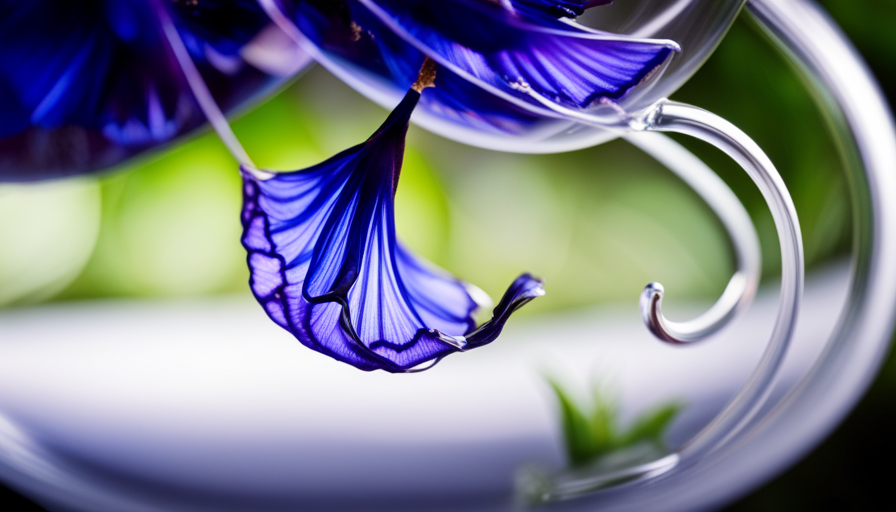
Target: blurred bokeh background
167	224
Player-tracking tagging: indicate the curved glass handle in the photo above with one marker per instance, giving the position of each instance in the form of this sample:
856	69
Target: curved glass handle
669	116
742	287
863	127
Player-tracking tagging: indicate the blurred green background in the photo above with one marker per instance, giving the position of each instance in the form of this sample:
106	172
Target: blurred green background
588	222
168	225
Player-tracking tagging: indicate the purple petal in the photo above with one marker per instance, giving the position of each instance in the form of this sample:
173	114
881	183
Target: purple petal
359	48
225	25
492	46
378	57
326	264
522	291
557	8
87	85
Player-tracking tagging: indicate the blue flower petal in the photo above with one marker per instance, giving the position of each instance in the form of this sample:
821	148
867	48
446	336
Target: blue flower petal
358	47
378	57
491	45
86	85
522	291
14	117
557	8
226	25
327	267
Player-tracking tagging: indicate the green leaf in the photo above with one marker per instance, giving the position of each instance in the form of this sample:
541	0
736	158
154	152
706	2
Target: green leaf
652	426
592	431
577	434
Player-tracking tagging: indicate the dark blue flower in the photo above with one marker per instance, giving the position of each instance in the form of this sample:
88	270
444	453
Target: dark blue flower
326	264
88	83
323	253
509	68
558	8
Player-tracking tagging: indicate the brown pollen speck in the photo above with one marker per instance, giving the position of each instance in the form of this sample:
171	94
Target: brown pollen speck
426	77
356	32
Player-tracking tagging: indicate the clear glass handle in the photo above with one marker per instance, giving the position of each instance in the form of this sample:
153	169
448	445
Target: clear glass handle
669	116
742	287
673	117
863	128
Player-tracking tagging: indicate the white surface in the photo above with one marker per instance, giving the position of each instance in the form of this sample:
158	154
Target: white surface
207	405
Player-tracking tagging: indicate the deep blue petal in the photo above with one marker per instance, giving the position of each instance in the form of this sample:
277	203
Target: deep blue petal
489	44
14	117
88	84
522	291
442	301
326	264
482	108
224	25
353	39
557	8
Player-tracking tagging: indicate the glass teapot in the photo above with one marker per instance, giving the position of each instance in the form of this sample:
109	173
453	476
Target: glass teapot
746	441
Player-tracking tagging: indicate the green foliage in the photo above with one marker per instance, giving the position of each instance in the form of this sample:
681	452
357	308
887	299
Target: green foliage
591	431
